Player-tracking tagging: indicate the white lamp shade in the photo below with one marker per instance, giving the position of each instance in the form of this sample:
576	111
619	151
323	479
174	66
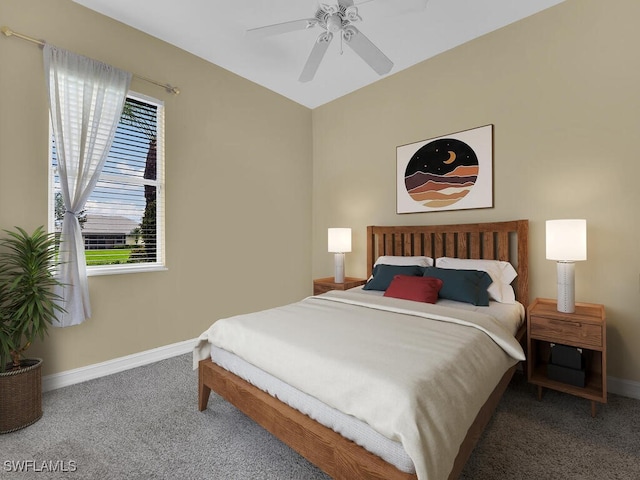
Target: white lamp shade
339	240
567	240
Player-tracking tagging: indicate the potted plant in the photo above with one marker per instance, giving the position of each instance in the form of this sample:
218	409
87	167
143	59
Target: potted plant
28	304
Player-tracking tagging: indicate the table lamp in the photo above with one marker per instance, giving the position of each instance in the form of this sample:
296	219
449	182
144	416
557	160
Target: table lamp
339	242
566	244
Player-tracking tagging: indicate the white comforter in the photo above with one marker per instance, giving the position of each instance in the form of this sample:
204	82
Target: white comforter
416	373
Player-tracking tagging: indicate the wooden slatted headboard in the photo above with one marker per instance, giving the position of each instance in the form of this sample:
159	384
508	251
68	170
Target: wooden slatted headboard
506	241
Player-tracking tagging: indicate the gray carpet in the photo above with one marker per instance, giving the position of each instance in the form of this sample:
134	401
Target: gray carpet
144	424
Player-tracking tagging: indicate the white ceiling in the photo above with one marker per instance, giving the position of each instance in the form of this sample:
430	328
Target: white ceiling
405	30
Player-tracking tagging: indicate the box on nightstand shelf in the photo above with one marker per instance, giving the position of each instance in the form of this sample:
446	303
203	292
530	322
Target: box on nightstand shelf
566	356
567	365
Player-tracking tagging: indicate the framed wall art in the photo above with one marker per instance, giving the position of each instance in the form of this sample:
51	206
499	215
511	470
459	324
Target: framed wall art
452	172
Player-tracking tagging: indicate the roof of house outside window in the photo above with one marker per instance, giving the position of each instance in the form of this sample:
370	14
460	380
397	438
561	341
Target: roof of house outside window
108	225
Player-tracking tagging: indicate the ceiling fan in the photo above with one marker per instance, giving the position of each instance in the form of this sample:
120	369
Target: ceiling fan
334	18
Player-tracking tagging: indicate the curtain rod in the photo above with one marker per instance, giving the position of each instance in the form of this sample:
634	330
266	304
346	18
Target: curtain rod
9	33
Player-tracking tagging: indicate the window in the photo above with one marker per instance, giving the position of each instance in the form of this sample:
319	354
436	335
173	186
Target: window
123	220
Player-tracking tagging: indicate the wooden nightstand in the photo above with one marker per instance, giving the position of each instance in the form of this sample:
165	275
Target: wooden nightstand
323	285
586	328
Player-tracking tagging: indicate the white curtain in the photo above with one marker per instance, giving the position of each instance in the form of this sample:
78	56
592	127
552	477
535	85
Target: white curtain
86	98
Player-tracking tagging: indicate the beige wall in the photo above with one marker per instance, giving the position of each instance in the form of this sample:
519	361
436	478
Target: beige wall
238	186
561	89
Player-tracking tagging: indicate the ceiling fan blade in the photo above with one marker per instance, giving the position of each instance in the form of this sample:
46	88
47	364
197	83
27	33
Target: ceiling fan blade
279	28
315	57
367	50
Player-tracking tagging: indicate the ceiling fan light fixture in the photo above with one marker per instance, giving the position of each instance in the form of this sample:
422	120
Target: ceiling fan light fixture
329	9
325	37
334	23
348	33
351	14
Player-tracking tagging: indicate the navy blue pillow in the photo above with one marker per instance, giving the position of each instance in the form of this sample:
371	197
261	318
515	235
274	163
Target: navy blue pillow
383	275
468	286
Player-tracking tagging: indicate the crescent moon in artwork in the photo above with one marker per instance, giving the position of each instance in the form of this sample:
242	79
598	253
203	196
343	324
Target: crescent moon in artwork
451	159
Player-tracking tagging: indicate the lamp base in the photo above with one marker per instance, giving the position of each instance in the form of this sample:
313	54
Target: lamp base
338	268
566	287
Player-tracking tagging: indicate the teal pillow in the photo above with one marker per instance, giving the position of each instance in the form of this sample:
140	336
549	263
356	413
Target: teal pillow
383	275
468	286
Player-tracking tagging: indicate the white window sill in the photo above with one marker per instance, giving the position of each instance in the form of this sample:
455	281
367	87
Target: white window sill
117	270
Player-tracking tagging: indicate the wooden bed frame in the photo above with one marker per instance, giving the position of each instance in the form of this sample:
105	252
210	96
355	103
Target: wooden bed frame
340	458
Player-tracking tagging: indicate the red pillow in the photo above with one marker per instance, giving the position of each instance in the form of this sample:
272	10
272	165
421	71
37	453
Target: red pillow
418	289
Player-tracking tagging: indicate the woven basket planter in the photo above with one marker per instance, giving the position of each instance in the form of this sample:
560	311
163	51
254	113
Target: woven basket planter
21	393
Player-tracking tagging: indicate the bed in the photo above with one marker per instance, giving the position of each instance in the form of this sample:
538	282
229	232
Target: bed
337	455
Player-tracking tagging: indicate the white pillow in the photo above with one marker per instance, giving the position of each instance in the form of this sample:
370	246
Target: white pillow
401	260
502	273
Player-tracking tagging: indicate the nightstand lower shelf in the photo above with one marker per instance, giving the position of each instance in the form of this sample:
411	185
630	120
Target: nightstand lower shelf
591	391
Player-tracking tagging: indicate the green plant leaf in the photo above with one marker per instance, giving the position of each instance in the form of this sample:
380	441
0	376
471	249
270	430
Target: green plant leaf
28	302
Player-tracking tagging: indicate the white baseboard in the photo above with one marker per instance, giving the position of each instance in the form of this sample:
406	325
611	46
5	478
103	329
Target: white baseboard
626	388
97	370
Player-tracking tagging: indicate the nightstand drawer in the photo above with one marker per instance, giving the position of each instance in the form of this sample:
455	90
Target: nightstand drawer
566	331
